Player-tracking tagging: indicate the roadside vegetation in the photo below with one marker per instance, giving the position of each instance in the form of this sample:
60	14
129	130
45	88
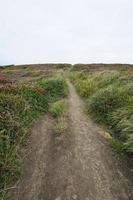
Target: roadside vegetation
58	108
20	105
59	112
109	99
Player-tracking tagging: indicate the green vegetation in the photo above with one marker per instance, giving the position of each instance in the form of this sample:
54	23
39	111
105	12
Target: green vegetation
109	98
60	126
55	87
58	108
20	105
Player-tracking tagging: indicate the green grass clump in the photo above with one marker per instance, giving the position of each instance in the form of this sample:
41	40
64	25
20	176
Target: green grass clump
58	108
85	87
108	99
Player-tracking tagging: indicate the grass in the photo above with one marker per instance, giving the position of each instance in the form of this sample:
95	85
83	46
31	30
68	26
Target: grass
36	96
109	99
60	126
58	108
13	109
118	147
55	87
20	106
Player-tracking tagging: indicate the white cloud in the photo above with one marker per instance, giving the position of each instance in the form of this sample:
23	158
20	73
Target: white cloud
40	31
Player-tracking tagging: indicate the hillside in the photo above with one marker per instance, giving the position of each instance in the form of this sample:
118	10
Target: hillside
66	132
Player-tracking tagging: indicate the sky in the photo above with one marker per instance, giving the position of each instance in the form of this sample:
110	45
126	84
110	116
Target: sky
70	31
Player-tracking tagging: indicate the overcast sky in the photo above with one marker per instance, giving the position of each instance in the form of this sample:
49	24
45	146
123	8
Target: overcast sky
73	31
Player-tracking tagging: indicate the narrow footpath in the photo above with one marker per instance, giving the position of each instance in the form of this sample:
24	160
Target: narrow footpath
77	165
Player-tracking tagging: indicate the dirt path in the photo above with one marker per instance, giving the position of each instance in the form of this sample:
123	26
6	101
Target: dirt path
78	165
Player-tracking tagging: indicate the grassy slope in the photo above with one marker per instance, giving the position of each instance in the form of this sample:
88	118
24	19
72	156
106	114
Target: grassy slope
20	105
109	98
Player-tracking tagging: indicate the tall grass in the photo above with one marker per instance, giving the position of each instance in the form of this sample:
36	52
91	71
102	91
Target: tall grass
20	105
109	97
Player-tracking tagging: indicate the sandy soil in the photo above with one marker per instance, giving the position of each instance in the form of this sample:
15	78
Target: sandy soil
78	165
